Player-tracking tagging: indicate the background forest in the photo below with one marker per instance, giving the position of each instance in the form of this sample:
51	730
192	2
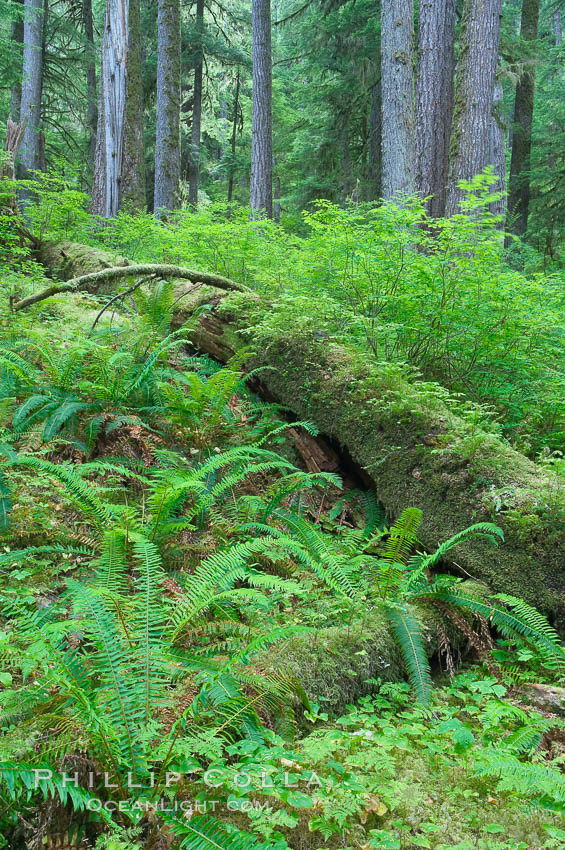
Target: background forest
362	107
282	425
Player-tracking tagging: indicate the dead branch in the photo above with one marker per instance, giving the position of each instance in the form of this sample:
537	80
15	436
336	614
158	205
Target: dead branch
155	271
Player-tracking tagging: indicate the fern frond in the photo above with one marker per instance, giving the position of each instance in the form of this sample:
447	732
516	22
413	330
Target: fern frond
409	637
402	537
206	833
517	620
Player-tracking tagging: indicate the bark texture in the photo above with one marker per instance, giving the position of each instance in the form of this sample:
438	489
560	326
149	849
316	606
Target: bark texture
497	158
261	192
92	107
132	178
167	144
119	172
398	109
17	38
30	109
476	72
519	195
233	140
434	100
374	144
196	127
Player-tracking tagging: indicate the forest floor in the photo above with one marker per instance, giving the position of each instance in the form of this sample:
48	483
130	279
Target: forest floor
479	767
234	631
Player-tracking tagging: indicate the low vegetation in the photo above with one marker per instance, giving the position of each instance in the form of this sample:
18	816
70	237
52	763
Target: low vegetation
207	640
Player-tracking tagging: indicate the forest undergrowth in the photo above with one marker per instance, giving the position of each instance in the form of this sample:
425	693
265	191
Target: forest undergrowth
441	296
183	594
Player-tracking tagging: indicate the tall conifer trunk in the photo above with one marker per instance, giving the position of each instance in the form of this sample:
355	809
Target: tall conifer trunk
519	195
167	145
233	136
92	106
261	194
119	168
498	134
374	169
17	38
194	160
474	92
32	82
434	100
398	110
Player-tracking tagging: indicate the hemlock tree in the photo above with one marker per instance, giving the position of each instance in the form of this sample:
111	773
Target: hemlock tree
434	100
119	168
167	145
32	80
261	194
397	85
519	195
92	106
374	156
474	94
194	159
16	38
497	158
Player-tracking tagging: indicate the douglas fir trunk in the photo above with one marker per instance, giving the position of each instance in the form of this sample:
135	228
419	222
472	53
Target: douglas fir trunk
119	170
434	100
167	145
476	71
194	160
519	197
261	196
30	109
397	84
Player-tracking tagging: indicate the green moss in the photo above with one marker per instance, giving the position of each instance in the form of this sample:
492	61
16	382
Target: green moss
333	665
414	448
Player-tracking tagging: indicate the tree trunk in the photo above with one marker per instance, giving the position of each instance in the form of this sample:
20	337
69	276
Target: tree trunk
277	204
261	190
132	178
32	79
519	195
475	78
397	82
434	100
345	159
194	161
375	158
498	133
92	108
233	137
17	38
558	28
119	172
167	145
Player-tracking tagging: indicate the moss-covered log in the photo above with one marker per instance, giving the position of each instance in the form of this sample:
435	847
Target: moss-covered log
66	260
408	441
91	282
410	445
335	664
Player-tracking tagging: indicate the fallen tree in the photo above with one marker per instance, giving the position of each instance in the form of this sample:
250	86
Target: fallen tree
403	435
91	282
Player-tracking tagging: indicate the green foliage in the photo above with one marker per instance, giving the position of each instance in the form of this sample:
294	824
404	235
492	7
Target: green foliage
438	296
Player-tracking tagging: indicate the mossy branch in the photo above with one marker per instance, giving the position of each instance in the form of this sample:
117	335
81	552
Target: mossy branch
155	271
